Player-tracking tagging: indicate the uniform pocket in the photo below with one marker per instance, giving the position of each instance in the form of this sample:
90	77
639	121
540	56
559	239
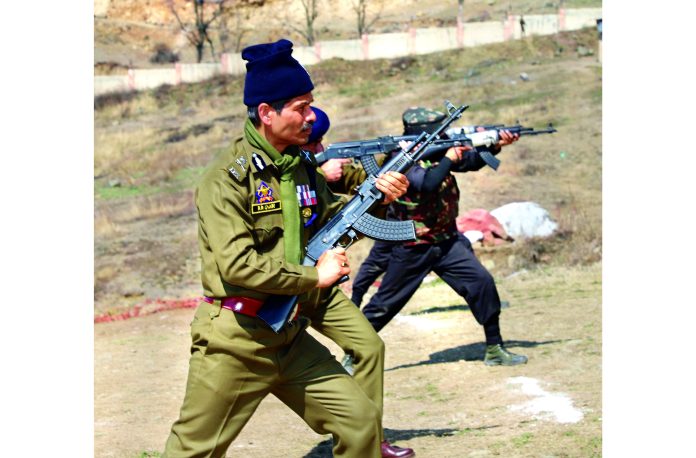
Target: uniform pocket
267	237
268	229
201	326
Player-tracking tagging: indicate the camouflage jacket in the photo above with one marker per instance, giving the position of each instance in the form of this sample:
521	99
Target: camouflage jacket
434	213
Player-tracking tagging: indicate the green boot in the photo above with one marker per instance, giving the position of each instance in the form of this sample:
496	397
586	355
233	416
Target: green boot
347	364
497	355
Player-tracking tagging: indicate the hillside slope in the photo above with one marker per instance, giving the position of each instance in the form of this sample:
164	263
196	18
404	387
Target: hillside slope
150	148
127	32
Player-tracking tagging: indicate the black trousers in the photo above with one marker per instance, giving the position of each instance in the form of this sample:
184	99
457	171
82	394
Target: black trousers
452	260
372	267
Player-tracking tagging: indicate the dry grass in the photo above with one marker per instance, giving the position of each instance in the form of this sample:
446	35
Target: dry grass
110	220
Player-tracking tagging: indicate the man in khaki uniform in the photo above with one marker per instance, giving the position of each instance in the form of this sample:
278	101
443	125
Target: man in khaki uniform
258	204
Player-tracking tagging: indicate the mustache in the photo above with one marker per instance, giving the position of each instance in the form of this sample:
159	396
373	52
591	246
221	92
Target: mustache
306	126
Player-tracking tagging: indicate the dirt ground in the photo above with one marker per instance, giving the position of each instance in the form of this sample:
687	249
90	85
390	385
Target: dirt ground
440	399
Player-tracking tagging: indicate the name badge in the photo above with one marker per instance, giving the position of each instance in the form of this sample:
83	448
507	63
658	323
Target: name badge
267	207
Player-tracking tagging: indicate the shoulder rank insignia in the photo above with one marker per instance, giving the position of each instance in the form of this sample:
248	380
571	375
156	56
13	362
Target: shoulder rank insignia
234	173
240	163
258	162
265	201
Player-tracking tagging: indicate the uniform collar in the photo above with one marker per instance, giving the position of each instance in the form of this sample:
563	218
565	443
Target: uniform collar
250	151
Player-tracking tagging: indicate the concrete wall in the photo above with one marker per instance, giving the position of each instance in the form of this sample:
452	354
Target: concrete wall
345	49
110	83
376	46
190	73
538	24
579	18
482	33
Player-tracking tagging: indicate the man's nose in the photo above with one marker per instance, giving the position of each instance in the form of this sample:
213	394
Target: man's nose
311	116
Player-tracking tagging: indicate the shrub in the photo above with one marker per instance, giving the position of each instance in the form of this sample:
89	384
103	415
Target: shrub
164	55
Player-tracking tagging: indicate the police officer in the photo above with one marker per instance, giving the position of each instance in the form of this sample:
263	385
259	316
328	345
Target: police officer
258	203
341	321
432	202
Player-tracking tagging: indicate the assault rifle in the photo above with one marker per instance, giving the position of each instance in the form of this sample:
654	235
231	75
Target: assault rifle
381	145
353	219
365	150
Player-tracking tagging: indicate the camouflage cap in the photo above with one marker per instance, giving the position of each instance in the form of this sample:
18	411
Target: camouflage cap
420	119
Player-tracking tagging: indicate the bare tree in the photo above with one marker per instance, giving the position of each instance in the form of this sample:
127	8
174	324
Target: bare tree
310	14
198	33
360	8
235	33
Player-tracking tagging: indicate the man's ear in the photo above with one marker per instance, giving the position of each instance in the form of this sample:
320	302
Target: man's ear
265	113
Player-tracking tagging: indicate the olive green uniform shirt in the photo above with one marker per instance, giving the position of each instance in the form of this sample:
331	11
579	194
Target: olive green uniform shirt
240	227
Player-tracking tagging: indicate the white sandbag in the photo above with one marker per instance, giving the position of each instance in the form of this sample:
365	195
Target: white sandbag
525	219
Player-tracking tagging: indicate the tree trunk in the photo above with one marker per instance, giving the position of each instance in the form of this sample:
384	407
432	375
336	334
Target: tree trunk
199	51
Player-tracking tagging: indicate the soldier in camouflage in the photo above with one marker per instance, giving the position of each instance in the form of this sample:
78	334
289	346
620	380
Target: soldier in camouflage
432	201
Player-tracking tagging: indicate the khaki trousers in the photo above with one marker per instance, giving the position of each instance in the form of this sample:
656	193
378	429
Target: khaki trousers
341	321
237	360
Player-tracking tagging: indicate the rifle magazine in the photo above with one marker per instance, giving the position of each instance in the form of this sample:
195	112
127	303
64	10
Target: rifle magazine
386	231
492	161
369	163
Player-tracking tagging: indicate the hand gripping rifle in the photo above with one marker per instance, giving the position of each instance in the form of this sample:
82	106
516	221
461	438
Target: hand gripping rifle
353	219
365	150
485	138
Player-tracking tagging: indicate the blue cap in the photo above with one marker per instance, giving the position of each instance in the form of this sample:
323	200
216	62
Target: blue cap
273	74
320	126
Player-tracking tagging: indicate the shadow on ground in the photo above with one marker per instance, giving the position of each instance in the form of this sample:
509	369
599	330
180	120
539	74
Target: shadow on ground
323	449
471	352
453	308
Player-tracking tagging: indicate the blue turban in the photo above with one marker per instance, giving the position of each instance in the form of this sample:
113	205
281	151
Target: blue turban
320	126
273	74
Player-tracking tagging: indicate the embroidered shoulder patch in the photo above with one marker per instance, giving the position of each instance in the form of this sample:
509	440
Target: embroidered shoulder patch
265	200
264	193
